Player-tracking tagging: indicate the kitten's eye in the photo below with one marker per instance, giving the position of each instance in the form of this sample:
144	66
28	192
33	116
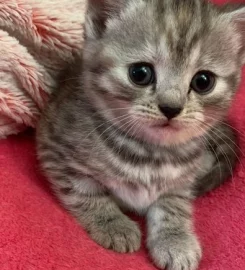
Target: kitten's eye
142	74
203	82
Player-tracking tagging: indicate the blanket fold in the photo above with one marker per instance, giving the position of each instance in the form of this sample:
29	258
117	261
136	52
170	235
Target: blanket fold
37	40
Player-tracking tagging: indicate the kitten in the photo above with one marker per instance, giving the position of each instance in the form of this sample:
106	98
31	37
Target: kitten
139	122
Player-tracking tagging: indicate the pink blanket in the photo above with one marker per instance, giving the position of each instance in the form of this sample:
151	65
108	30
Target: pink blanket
37	39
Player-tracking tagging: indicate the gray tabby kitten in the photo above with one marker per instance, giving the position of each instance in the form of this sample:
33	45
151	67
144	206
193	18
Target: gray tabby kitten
139	122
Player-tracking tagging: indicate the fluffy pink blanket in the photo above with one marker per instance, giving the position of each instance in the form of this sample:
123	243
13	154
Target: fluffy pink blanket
37	39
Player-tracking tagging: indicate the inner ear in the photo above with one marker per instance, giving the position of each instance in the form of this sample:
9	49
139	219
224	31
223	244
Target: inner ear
98	12
237	17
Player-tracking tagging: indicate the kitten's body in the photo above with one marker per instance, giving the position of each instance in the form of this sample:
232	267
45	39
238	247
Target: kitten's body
99	157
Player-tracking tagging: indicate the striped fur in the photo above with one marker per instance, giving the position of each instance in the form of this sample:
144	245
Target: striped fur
101	141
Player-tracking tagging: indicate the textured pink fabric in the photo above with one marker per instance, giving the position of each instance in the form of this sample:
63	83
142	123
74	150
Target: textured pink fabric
37	38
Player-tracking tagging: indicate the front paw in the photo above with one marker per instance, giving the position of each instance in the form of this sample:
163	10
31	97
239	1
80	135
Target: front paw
175	252
119	234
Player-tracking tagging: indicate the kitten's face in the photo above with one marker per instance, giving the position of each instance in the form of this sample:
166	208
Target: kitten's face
165	71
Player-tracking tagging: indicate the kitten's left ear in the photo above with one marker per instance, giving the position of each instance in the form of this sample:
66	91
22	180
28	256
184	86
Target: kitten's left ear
237	17
98	13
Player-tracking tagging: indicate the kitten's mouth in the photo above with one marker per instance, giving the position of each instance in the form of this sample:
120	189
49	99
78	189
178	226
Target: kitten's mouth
172	132
167	127
162	131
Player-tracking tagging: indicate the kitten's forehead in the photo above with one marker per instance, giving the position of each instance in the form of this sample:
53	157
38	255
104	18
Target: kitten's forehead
177	18
182	24
155	27
169	32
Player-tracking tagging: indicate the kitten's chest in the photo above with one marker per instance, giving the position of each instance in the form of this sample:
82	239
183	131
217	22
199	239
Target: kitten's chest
137	184
147	185
137	198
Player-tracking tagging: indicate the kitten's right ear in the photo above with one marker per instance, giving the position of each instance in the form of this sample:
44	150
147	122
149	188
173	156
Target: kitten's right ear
98	12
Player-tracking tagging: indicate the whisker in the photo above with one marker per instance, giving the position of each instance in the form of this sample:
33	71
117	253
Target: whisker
111	110
213	127
108	137
222	151
219	121
135	134
228	160
125	125
120	118
132	123
222	133
205	141
70	79
225	123
219	163
215	133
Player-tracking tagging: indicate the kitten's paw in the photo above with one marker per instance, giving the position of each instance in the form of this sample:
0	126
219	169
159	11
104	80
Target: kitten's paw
181	252
119	234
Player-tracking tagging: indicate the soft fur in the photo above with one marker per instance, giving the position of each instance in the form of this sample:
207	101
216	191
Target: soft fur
103	142
37	40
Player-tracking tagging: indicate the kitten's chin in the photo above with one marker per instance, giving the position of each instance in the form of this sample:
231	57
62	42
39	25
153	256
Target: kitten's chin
167	135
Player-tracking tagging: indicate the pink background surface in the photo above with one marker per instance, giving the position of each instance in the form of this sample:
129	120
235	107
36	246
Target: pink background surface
37	233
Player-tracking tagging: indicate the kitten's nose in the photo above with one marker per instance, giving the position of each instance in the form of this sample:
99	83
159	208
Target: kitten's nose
169	112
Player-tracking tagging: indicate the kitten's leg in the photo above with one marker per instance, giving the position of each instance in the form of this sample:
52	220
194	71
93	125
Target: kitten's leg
100	215
171	240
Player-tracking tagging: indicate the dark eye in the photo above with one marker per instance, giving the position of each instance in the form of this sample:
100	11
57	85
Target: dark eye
142	74
203	82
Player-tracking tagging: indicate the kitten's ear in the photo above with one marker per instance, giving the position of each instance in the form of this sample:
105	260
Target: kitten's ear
237	17
98	12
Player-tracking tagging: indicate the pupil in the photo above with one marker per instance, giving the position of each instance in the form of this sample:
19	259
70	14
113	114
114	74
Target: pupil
203	82
140	74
